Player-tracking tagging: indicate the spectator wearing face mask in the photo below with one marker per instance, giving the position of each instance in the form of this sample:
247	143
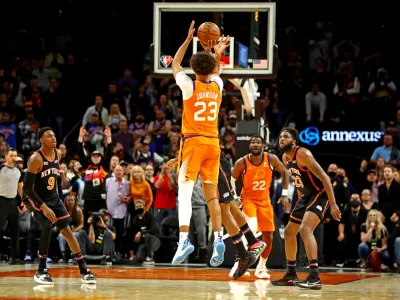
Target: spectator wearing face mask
139	127
354	215
142	236
115	115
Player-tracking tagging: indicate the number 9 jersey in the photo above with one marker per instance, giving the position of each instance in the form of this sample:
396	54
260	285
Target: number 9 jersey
201	102
47	178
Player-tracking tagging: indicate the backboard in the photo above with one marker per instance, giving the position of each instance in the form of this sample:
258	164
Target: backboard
251	54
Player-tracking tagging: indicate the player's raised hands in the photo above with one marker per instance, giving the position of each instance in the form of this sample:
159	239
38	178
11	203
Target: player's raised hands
191	31
222	44
209	46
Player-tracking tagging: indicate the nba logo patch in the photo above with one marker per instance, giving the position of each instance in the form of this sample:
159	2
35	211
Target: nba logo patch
166	60
226	195
319	207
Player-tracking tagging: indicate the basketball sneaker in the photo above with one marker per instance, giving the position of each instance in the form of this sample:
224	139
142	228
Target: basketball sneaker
88	277
262	273
217	257
182	252
43	277
311	282
244	264
257	248
286	280
234	268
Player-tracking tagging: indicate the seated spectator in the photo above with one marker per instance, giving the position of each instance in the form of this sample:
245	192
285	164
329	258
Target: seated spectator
99	238
114	112
373	237
388	151
76	224
143	235
366	200
139	127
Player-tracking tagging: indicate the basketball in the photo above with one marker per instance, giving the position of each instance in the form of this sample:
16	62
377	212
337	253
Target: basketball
208	31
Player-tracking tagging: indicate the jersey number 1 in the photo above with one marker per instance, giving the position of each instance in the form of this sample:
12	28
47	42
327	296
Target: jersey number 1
51	183
212	106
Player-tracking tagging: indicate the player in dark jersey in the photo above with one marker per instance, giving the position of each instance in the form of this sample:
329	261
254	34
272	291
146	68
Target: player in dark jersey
42	191
315	193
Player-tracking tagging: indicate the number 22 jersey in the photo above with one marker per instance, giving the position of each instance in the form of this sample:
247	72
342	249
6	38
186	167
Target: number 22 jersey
306	182
201	102
257	180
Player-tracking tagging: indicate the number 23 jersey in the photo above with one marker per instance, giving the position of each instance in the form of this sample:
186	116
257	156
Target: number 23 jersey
201	102
257	180
305	181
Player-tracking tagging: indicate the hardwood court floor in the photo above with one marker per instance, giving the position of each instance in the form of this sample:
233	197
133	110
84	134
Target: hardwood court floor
163	282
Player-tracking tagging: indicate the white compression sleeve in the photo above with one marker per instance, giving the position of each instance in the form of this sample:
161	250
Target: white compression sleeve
185	202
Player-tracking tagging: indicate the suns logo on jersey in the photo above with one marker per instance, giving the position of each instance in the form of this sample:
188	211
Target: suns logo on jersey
260	174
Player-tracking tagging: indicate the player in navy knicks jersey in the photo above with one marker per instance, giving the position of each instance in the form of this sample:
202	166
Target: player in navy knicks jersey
315	193
42	192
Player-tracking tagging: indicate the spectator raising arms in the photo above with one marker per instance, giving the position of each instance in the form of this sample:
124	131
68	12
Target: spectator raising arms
94	192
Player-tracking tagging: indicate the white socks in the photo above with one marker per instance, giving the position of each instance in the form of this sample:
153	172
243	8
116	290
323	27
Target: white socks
183	236
262	262
218	234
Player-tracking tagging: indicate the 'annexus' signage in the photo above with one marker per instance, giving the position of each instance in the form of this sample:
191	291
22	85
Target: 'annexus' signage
311	136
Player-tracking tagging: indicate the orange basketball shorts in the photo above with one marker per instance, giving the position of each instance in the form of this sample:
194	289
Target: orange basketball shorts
199	155
264	215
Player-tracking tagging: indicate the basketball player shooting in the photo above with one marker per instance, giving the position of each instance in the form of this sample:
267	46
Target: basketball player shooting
315	193
199	149
42	192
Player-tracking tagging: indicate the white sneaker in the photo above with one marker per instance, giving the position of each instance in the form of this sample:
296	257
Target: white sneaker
236	264
88	278
261	272
43	277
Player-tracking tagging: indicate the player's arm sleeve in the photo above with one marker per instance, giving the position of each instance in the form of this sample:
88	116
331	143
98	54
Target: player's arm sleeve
29	182
185	83
219	81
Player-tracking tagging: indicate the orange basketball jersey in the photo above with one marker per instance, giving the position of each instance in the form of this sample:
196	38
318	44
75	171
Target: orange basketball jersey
200	112
257	180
